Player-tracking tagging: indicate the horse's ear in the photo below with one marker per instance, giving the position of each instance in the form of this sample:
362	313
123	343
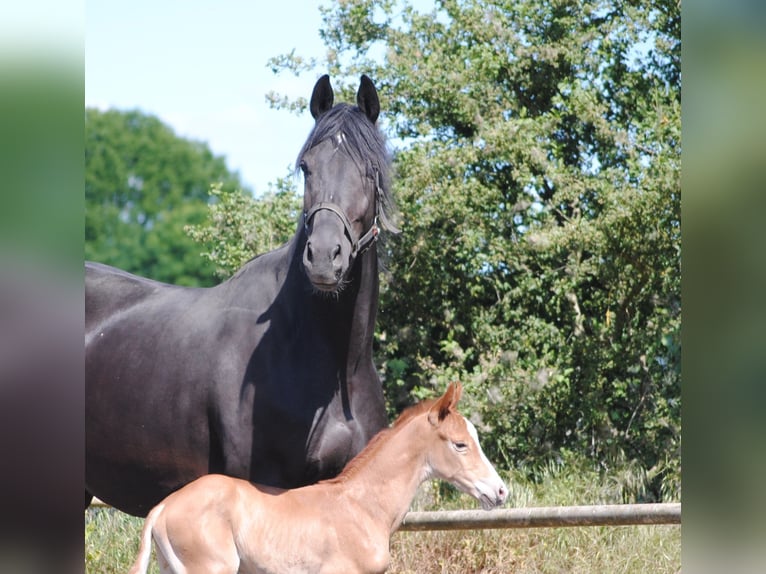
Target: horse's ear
367	99
446	403
322	97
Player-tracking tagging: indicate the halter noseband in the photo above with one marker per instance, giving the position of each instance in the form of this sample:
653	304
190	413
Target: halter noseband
360	245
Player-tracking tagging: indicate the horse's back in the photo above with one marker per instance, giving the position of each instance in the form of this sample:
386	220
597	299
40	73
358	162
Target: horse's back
97	274
166	373
109	290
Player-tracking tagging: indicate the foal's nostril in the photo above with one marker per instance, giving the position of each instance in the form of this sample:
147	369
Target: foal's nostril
336	253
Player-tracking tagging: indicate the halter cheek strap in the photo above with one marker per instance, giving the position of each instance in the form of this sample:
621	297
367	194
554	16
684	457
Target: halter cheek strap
366	240
358	246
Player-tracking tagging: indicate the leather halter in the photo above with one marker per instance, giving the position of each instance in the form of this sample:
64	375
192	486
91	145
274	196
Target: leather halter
363	243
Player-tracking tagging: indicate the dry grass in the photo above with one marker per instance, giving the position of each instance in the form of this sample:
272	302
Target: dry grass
624	549
111	537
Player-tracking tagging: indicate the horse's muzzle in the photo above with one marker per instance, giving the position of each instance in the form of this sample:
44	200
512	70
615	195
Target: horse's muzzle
324	266
328	252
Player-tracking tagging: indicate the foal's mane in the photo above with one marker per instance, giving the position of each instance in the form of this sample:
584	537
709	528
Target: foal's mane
370	451
364	143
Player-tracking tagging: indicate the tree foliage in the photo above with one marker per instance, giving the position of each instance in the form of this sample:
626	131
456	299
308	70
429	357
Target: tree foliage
240	226
143	183
538	181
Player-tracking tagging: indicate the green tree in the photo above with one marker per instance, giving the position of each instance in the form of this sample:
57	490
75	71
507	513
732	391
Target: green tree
143	184
538	179
239	226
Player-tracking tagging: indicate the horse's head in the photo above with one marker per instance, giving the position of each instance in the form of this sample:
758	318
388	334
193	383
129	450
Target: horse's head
456	455
342	162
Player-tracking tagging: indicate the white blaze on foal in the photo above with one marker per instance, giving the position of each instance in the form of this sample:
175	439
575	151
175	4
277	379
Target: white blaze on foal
218	524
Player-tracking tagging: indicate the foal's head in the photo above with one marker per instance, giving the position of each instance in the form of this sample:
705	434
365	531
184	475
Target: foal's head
345	170
456	456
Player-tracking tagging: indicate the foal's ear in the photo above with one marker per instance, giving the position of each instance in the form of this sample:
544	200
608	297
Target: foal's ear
446	403
367	99
322	97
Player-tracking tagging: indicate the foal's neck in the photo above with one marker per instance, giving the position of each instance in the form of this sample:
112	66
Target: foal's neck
386	477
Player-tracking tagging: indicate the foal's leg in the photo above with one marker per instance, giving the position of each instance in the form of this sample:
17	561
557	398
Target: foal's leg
162	562
166	558
217	555
197	564
209	566
213	568
223	559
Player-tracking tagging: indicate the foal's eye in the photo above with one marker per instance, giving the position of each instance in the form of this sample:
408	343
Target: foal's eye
304	168
460	446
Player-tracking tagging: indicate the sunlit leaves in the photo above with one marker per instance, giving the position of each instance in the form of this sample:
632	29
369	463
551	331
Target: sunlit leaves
239	226
538	178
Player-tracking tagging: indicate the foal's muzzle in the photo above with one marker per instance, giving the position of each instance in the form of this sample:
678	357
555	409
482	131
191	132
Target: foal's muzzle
493	496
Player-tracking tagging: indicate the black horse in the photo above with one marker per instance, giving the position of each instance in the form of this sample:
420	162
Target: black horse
268	376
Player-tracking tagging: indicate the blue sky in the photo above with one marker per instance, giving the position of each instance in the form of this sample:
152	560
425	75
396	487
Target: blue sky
200	66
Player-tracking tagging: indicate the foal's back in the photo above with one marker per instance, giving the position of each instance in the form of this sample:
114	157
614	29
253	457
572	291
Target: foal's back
218	524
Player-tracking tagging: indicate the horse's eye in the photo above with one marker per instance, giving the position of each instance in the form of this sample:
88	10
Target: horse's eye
460	446
304	168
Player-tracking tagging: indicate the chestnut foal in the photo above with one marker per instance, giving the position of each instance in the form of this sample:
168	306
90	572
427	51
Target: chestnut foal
219	524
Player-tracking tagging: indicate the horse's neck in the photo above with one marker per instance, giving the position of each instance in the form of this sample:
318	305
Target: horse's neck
365	301
387	479
352	312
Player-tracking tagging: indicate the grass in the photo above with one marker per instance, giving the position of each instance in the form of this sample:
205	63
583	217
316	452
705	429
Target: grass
111	541
625	549
111	537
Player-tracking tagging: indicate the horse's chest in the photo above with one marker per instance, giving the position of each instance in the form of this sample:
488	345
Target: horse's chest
301	431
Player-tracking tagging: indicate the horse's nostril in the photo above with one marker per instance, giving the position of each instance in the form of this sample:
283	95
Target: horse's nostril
309	252
336	253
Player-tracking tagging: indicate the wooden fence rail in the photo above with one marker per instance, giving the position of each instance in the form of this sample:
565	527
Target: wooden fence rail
546	516
550	516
